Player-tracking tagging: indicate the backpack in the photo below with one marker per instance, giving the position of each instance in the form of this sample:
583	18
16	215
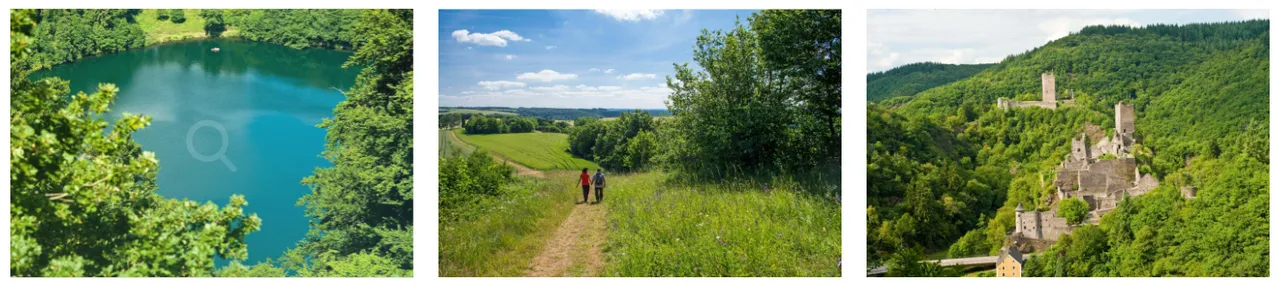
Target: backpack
599	179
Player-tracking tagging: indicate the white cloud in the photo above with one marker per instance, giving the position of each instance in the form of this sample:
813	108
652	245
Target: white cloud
509	57
495	39
551	47
496	85
593	70
637	76
631	15
1063	26
551	88
608	71
546	75
1253	14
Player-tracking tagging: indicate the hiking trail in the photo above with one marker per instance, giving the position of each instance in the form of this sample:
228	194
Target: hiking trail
577	245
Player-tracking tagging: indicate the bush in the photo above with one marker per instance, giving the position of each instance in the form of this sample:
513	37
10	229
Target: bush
177	16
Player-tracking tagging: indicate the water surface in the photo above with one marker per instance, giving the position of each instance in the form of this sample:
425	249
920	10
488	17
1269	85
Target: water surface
267	98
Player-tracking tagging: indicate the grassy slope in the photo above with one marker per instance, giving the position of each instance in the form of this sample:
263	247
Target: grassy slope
504	240
159	31
726	229
449	145
543	151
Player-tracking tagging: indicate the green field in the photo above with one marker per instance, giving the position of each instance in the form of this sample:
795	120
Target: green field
159	31
542	151
475	111
662	227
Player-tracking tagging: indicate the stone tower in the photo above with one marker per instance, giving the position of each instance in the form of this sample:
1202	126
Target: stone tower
1047	87
1017	219
1124	119
1080	148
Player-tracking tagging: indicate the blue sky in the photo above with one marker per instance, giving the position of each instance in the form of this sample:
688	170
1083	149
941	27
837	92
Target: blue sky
567	58
899	37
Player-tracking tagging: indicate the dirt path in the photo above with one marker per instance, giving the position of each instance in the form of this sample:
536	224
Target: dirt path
521	170
575	248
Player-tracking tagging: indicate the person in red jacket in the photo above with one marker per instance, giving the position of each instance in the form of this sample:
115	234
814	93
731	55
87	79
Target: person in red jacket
586	184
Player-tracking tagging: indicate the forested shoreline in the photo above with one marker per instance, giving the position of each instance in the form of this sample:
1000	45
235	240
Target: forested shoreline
84	204
67	35
947	167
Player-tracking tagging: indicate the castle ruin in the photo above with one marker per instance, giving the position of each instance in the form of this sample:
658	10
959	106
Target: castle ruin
1085	174
1048	96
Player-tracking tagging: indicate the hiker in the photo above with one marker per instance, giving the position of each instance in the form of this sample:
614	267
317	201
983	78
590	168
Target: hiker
599	181
586	184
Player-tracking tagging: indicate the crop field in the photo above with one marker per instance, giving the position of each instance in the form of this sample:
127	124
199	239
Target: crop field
542	151
662	228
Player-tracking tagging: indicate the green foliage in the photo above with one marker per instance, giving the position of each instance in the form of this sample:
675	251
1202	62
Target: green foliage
543	151
470	181
767	96
481	124
616	144
909	263
83	199
177	16
301	28
973	243
1201	105
363	205
1075	210
64	35
214	22
162	14
907	80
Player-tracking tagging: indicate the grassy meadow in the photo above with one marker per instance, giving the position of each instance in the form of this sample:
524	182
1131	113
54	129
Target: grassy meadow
159	31
661	227
502	241
542	151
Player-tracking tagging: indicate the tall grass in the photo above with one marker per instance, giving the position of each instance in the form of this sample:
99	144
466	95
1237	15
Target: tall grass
543	151
511	230
658	226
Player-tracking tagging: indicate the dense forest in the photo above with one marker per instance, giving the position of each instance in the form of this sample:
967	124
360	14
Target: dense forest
626	144
947	167
907	80
83	200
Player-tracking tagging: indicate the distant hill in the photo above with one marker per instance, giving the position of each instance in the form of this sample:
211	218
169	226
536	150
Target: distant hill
551	113
910	79
949	167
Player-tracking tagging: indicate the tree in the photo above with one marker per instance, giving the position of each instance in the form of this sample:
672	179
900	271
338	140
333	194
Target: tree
83	199
177	16
1074	210
767	96
362	207
214	22
162	14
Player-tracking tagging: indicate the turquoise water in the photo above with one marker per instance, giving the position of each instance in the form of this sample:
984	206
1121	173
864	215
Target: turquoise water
268	100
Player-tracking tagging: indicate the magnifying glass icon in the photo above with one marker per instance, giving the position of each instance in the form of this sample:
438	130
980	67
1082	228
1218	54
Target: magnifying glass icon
221	155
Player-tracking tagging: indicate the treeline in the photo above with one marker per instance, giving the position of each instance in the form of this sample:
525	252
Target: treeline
907	80
626	144
482	124
1201	106
298	28
65	35
563	113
